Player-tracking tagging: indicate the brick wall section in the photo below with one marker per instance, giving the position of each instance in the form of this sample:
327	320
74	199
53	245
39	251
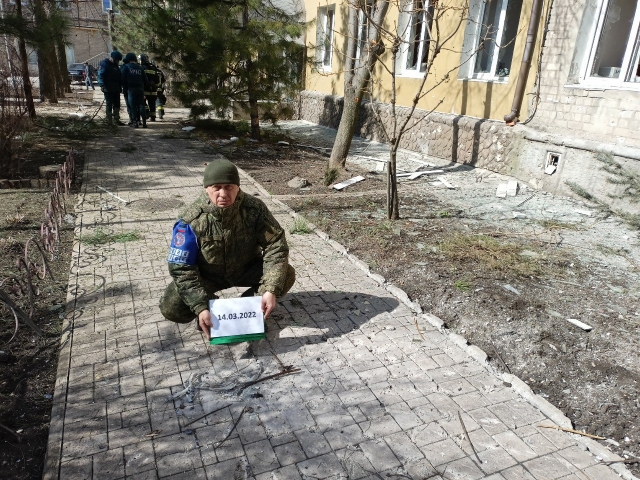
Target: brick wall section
88	30
605	115
483	143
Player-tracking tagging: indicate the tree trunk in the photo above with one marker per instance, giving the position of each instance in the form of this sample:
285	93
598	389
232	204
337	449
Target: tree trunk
65	83
352	45
393	202
353	94
24	68
254	112
46	68
342	143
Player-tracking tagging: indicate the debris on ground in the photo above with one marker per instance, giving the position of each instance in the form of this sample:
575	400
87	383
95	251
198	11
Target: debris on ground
351	181
579	324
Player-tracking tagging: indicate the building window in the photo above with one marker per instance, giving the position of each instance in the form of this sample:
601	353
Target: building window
496	33
418	36
111	5
615	54
324	50
363	27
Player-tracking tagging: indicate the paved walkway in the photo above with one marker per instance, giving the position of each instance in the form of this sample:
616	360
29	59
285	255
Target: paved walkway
374	399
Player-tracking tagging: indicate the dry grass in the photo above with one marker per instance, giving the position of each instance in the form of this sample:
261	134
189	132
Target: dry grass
16	220
492	254
557	224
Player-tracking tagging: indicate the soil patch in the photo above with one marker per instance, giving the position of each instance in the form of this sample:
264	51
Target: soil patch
508	290
28	363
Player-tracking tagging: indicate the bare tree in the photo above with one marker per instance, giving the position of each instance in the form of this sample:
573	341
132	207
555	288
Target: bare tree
24	66
358	72
429	18
427	29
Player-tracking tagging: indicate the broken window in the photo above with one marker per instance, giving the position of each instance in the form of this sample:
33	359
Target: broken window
496	36
324	50
615	54
111	5
419	36
364	16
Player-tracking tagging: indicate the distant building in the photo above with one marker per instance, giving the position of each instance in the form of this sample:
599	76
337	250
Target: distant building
88	33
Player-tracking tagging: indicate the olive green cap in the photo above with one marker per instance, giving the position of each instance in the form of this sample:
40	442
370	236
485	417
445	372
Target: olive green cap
221	172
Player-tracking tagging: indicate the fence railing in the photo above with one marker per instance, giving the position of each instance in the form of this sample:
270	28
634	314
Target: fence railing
96	59
12	288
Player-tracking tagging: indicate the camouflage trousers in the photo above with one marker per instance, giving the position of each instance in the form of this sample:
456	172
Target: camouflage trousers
173	308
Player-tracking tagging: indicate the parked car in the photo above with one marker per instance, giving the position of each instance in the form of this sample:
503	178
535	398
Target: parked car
76	72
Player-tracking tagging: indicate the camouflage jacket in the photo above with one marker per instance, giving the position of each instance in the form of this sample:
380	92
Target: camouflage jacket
228	241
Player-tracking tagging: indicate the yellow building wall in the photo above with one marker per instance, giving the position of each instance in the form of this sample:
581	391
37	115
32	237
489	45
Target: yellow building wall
474	98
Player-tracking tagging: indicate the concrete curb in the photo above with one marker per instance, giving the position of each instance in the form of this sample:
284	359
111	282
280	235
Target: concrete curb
53	456
519	386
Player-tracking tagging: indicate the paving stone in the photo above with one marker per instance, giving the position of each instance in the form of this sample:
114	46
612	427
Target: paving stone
290	453
313	443
355	463
442	452
139	457
261	457
404	416
339	438
548	467
321	467
495	459
379	454
380	427
515	446
516	472
109	465
539	444
285	473
228	470
403	448
80	468
197	474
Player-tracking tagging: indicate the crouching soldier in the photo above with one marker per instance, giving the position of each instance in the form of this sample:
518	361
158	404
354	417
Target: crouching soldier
225	239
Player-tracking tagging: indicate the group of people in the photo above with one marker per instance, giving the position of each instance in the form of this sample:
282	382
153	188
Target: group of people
142	84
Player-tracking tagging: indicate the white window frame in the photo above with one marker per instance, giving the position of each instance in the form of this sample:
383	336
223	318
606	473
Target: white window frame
323	63
111	5
630	59
489	76
362	23
425	41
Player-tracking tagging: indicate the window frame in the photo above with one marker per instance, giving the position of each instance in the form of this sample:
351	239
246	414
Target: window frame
321	49
488	76
631	55
425	39
112	5
363	32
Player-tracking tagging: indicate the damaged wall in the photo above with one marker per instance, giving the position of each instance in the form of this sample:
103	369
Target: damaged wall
573	101
517	151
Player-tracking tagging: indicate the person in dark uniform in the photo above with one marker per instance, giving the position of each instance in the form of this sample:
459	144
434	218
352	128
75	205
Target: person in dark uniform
110	80
151	93
134	81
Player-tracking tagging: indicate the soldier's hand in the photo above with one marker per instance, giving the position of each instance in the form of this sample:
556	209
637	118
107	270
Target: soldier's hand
204	320
268	303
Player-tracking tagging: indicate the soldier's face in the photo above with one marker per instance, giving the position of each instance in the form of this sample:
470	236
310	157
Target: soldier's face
222	195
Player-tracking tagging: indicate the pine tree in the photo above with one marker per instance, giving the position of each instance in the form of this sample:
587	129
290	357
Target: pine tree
219	52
